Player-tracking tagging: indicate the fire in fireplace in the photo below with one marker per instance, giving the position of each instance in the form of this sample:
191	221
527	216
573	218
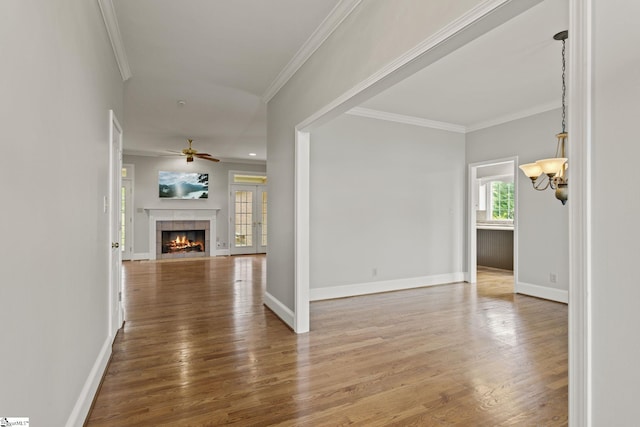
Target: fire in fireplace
174	242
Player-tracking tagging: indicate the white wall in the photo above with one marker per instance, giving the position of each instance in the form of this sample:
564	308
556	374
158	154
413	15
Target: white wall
374	35
146	193
385	196
59	79
615	207
543	228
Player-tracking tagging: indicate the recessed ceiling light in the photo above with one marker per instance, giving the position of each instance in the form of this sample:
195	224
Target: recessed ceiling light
181	103
252	154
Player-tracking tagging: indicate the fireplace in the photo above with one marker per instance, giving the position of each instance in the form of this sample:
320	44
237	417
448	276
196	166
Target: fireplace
185	221
183	241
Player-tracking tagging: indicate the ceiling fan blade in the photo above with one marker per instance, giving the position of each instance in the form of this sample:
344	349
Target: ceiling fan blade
206	157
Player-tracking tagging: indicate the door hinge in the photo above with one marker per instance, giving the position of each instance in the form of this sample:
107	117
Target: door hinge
120	296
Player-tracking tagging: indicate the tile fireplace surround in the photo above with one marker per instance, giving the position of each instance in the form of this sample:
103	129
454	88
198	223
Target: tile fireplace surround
180	219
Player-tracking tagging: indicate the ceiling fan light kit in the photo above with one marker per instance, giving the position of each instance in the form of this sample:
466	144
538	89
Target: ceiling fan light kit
554	169
190	153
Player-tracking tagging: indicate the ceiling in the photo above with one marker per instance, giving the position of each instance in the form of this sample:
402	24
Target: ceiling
221	58
513	70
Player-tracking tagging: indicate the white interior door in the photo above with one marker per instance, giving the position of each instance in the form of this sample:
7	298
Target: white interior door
248	219
115	215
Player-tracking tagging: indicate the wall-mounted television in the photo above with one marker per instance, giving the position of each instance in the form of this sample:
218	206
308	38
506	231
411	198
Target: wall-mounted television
183	185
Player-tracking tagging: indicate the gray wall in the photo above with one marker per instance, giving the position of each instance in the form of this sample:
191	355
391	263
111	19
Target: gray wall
375	34
146	193
615	206
59	79
543	228
386	196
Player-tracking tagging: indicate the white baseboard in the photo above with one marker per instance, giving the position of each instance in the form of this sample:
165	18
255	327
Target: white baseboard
90	388
467	277
331	292
558	295
281	310
222	252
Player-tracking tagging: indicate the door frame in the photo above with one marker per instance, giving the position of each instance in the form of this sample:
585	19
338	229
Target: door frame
580	90
114	211
472	250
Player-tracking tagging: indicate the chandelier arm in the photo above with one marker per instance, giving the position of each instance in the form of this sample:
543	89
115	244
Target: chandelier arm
537	183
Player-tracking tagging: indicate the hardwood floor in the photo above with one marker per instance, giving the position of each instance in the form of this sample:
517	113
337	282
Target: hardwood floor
199	348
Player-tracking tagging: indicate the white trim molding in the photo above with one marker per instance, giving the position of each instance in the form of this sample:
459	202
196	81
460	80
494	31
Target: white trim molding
408	120
552	294
137	256
113	29
302	257
514	116
279	309
343	291
90	388
451	127
324	30
580	89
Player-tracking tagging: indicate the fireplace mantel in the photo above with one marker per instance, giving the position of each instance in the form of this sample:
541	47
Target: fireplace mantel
179	214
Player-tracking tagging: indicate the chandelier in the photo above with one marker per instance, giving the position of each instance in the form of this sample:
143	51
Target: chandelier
551	173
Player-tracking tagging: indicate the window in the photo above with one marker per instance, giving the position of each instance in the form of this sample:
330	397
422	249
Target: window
501	200
496	199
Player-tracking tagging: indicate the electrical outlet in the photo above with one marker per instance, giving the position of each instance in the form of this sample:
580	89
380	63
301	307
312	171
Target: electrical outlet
553	278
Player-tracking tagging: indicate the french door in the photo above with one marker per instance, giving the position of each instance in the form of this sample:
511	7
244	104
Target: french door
248	219
126	235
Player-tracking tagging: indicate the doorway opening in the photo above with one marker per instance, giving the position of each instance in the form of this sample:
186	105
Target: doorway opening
493	207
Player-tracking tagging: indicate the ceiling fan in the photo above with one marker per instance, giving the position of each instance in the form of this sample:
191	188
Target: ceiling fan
190	153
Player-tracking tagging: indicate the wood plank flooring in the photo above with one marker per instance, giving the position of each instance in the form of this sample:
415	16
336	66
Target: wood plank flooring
200	349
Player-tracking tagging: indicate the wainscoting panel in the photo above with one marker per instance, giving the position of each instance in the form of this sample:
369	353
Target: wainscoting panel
495	248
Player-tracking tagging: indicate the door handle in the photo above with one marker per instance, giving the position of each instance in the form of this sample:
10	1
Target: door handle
115	245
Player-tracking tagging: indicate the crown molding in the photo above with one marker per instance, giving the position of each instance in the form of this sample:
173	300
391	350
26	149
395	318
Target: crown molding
324	30
515	116
113	29
451	127
351	97
408	120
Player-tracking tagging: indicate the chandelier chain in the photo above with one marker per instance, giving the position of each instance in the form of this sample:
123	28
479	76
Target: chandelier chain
564	88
